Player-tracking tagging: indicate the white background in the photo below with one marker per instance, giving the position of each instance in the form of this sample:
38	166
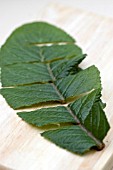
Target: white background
13	13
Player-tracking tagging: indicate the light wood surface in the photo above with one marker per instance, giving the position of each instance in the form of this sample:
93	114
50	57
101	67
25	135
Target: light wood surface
21	146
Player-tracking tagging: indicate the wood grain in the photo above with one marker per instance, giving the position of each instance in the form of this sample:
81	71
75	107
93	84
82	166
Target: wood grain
21	146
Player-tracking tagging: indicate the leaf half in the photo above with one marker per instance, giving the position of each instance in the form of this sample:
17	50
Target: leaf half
60	90
21	45
27	73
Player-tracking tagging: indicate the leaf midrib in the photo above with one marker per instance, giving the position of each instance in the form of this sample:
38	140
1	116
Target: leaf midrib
53	84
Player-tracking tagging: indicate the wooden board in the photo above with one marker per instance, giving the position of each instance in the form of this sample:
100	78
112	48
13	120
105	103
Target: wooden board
21	146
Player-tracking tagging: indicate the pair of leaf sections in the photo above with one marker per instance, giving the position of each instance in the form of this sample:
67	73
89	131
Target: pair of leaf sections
56	67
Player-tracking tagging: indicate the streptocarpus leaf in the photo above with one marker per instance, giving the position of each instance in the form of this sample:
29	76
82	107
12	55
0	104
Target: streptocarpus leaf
40	63
22	61
90	123
72	138
60	90
45	116
13	74
21	45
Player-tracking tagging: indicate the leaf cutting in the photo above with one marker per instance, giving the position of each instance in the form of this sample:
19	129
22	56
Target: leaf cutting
39	64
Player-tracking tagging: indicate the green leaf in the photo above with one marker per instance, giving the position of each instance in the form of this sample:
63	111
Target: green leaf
60	90
40	63
21	45
25	61
27	73
22	61
72	138
93	125
96	121
47	116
